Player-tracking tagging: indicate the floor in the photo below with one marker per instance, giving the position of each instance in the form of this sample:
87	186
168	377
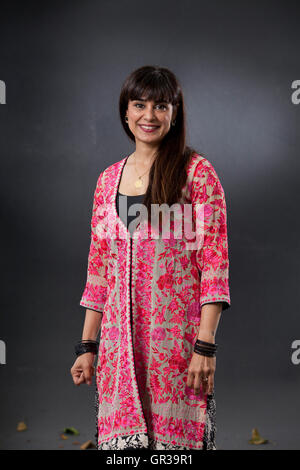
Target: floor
47	408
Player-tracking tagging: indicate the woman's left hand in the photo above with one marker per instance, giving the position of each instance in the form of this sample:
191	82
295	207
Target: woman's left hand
201	368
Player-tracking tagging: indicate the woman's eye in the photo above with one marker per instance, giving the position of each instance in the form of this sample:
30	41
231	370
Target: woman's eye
159	105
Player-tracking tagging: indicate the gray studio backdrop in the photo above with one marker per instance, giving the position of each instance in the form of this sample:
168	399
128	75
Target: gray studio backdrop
63	64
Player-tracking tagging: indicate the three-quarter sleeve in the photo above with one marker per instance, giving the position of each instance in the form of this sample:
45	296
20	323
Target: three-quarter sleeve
212	256
95	290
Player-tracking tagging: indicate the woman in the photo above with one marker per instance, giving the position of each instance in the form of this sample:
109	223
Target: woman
157	298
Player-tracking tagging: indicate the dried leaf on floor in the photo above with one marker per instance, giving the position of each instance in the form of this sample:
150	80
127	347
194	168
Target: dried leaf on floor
256	438
21	426
71	430
88	445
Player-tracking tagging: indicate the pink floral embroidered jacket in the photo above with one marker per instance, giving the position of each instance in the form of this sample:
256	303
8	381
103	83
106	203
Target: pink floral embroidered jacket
141	372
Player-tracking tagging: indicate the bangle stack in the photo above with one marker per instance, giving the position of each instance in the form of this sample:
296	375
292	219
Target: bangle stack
86	345
205	349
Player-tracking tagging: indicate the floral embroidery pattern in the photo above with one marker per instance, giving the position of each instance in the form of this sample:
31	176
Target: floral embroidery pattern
141	373
137	441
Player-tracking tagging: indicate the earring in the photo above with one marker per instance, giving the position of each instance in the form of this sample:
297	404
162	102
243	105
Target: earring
174	122
126	118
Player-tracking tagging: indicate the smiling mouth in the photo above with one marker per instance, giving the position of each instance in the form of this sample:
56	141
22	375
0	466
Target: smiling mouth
148	128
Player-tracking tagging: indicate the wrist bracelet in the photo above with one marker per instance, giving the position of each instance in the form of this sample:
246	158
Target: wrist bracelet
88	340
87	346
202	352
205	343
205	349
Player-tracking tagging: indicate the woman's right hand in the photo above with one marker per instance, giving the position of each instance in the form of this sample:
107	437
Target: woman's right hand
83	369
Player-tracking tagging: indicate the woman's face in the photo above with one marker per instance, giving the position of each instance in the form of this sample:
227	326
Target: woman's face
149	121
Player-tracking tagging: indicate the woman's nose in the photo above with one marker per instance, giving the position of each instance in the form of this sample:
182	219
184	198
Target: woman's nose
149	112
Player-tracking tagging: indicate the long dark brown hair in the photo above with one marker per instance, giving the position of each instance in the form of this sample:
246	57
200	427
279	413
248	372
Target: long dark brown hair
168	172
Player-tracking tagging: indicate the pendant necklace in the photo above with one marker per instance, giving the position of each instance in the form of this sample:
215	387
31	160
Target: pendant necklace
138	183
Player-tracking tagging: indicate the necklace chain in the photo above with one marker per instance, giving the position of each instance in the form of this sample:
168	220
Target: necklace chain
138	183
